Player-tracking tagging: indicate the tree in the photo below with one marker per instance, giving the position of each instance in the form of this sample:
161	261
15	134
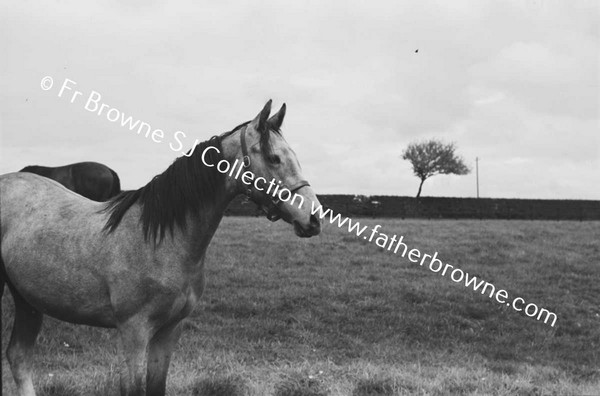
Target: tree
432	158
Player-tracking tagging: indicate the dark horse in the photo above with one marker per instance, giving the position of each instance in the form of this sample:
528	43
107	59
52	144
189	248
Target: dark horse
136	263
92	180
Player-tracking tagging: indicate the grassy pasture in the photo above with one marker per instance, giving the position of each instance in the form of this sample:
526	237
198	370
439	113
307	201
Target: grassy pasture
336	315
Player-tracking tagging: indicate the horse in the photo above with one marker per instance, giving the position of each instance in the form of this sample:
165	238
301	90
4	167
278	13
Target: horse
136	262
92	180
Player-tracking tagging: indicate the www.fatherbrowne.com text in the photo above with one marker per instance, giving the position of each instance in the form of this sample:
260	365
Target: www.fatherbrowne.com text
396	244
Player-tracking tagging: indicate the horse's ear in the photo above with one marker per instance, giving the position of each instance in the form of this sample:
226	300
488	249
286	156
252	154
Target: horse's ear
260	121
276	121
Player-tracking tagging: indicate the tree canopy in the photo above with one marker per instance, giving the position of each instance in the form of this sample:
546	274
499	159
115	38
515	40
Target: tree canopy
432	158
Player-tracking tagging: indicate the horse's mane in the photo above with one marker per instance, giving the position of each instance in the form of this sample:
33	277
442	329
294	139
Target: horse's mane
186	186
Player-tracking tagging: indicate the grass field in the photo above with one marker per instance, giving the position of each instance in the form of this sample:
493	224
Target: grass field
336	315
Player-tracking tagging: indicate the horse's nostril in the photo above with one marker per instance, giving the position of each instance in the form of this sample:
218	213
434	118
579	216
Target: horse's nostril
314	221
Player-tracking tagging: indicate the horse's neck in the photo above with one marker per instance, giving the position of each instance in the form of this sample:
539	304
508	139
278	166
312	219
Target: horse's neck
201	227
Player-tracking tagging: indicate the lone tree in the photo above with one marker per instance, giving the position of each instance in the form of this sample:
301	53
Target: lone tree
433	158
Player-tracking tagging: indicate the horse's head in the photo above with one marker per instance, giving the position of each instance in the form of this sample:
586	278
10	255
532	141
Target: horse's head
273	177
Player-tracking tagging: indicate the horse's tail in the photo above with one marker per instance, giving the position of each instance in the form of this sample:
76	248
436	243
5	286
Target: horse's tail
116	185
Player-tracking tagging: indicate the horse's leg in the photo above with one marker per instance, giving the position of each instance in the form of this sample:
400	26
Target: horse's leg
27	325
134	338
159	355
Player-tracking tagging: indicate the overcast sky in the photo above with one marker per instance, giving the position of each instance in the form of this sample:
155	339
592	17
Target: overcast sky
513	83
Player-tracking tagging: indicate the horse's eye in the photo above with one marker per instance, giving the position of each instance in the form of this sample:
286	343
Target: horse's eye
274	159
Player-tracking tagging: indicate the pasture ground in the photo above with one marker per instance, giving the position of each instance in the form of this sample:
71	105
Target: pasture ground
336	315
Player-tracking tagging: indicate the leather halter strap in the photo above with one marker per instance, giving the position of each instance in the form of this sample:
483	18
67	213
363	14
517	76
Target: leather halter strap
246	157
272	211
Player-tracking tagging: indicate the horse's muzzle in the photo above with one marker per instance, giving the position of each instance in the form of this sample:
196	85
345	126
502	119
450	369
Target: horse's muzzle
314	228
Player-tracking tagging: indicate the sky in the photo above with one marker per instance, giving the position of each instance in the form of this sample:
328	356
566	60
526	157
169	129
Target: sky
514	83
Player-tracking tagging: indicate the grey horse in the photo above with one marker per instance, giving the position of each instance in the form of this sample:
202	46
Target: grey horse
136	263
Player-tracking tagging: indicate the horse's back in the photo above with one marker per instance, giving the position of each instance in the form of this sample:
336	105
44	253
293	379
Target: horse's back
29	190
34	204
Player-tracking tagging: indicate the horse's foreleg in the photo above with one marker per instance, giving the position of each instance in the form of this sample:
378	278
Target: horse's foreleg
134	338
27	325
159	355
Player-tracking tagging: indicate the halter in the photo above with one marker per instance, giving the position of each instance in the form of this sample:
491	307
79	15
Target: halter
272	210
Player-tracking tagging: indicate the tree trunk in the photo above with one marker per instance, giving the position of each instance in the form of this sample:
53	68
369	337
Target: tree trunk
420	185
